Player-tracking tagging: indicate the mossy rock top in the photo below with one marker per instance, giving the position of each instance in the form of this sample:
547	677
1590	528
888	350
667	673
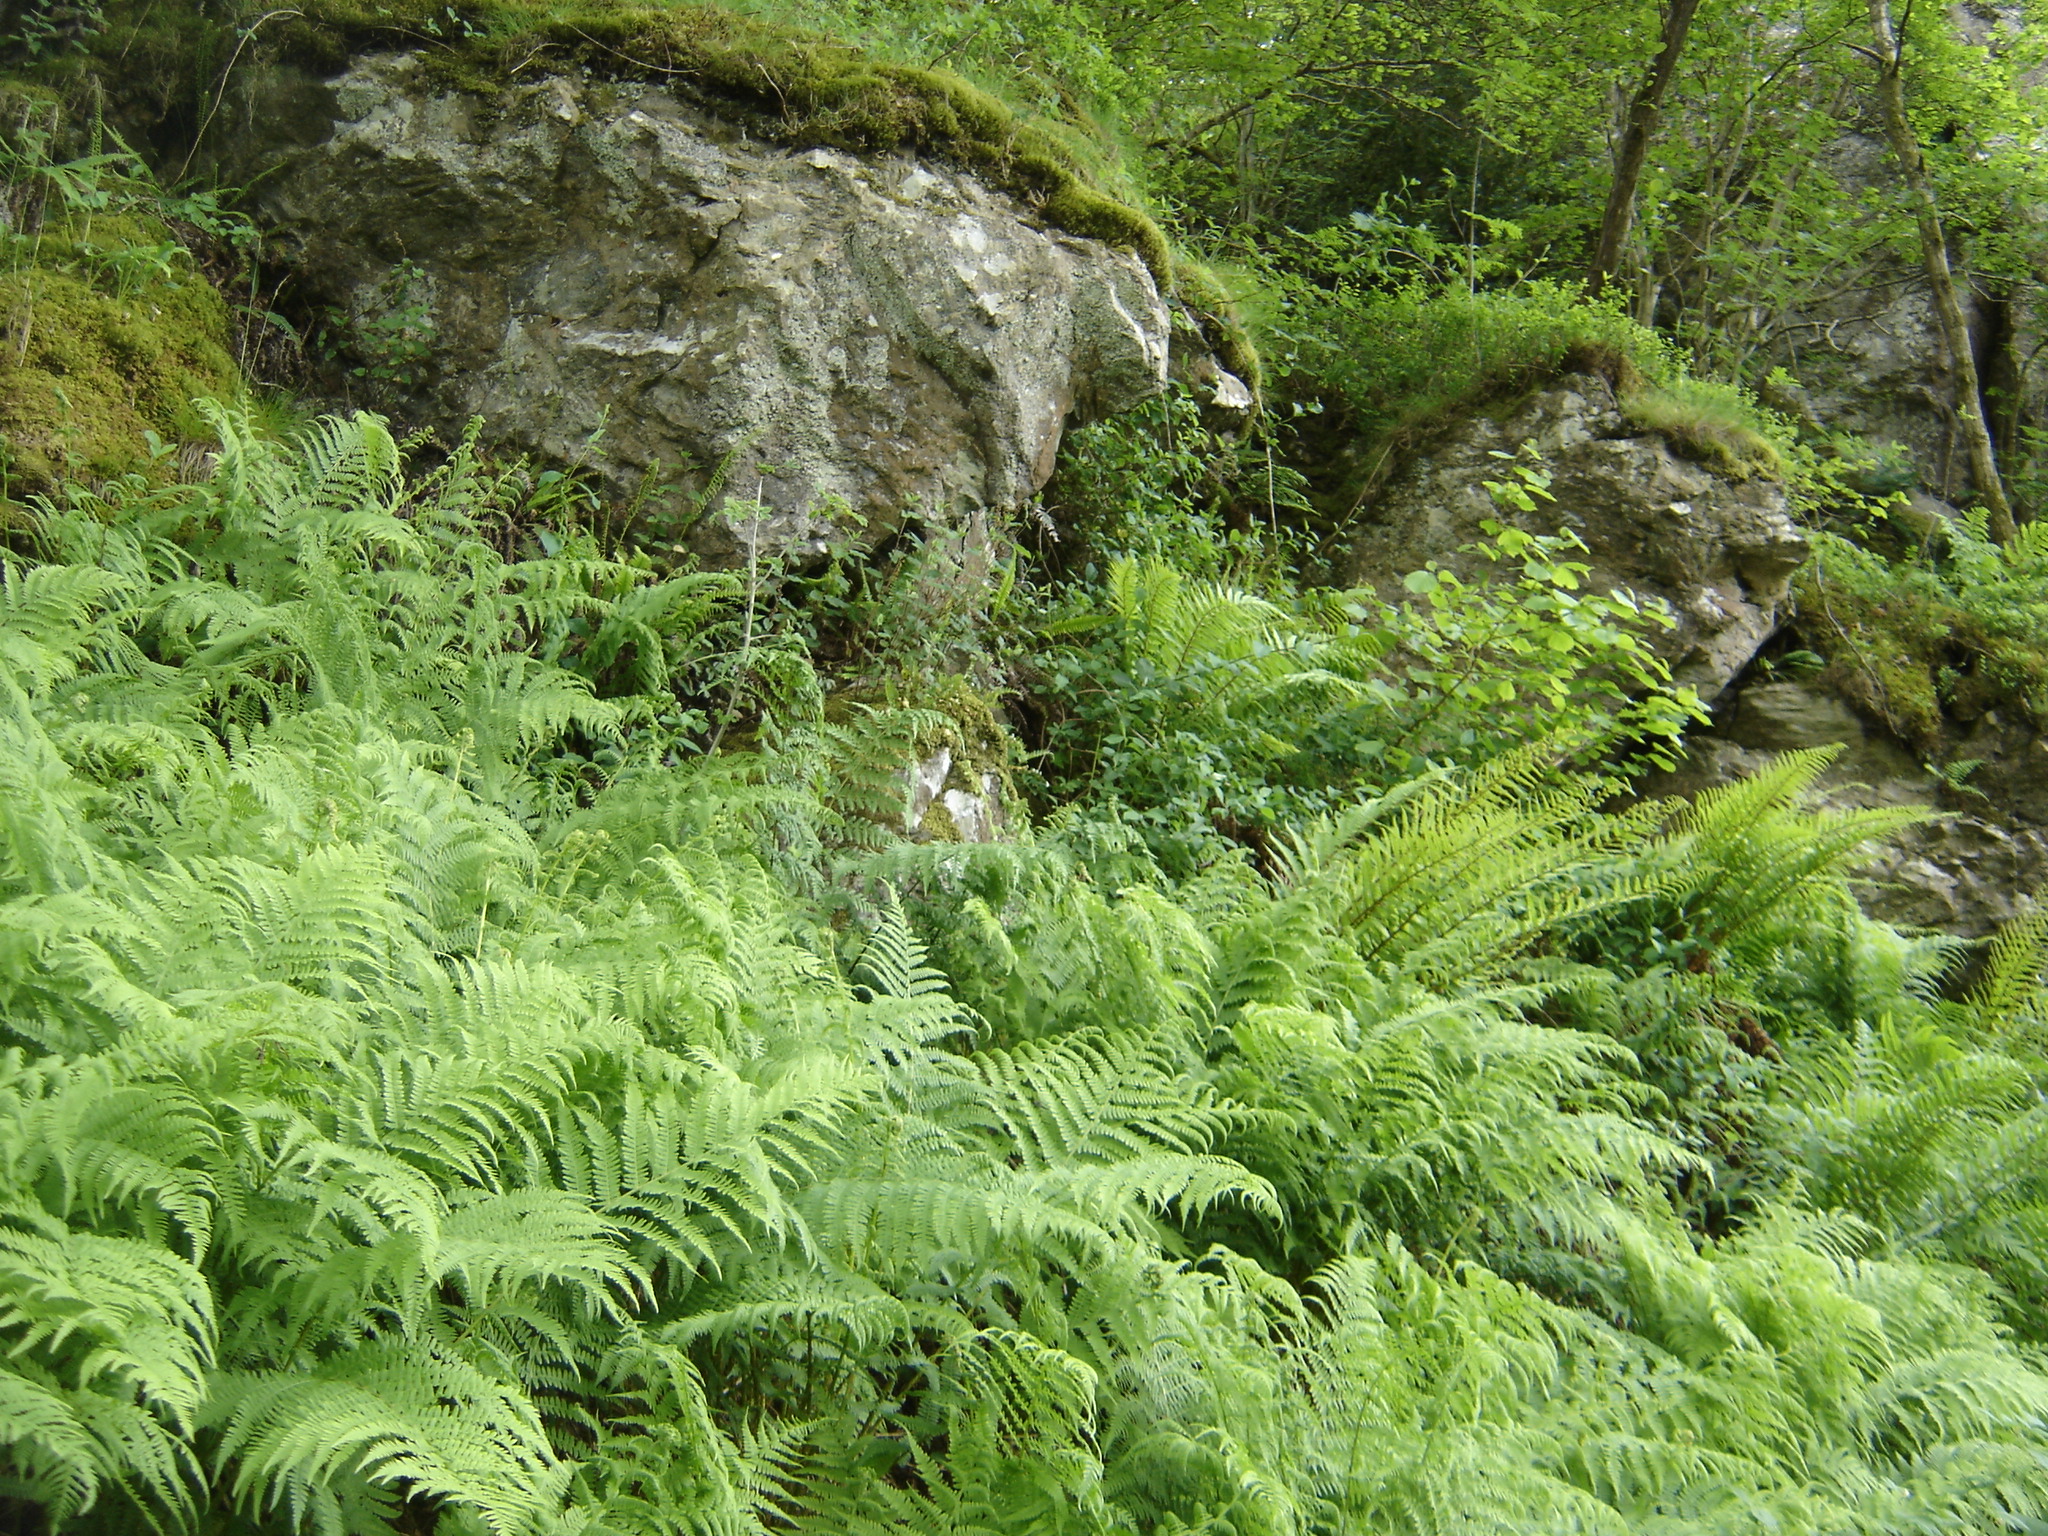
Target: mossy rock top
791	86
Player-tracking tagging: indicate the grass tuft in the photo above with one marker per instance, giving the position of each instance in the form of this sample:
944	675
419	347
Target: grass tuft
1709	422
1405	365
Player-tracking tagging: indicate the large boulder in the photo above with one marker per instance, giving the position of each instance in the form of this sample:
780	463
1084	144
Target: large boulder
850	338
1720	552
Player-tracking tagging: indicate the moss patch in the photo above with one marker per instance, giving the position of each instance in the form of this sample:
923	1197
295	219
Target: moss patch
1223	328
938	825
794	87
96	349
981	744
1927	648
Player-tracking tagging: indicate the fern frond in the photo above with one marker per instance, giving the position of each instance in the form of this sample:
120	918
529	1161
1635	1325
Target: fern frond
1748	850
405	1421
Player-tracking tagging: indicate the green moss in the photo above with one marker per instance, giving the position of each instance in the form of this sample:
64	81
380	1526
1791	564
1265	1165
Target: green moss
91	357
796	88
1222	327
1924	648
981	744
938	825
1080	209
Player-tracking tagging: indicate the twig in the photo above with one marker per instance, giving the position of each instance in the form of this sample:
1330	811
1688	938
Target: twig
1306	72
659	69
220	86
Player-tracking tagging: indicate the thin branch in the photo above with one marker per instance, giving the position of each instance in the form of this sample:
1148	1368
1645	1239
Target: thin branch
1305	72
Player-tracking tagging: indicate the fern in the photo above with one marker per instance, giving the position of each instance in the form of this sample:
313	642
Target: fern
1748	853
435	1095
1446	880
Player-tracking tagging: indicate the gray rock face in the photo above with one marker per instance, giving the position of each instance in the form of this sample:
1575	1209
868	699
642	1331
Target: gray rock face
1871	355
1979	860
970	799
852	339
1719	552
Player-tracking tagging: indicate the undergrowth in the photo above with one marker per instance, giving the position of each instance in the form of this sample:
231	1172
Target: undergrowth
439	1092
485	1049
1931	641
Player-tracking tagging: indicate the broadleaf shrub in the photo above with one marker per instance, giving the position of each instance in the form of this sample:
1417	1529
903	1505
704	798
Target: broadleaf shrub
1204	714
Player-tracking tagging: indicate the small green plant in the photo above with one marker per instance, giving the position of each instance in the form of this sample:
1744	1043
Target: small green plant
1876	470
388	336
1798	666
450	23
1157	481
1955	775
132	268
42	28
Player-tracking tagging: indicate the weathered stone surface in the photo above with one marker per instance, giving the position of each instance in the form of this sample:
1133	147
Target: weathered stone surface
1966	875
1719	552
876	336
1869	350
1871	355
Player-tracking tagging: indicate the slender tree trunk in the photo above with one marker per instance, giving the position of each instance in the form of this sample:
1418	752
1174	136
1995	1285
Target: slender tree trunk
2005	377
1635	145
1948	307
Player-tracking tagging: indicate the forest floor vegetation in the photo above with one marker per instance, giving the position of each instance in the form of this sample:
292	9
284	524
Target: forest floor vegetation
484	1050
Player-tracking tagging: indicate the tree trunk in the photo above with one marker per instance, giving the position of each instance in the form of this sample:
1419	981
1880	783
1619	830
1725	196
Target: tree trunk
1948	307
2004	374
1635	145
